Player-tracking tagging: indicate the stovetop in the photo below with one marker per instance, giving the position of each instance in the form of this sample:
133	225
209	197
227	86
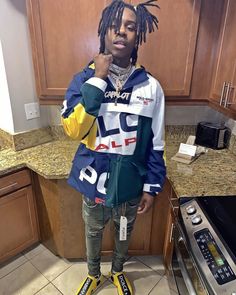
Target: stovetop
221	212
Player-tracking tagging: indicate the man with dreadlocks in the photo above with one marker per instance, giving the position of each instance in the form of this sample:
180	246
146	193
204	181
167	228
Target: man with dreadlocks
116	109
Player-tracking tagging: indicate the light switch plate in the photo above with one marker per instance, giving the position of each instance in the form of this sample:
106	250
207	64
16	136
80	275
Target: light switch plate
32	110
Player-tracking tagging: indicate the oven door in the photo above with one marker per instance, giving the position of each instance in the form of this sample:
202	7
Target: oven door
184	269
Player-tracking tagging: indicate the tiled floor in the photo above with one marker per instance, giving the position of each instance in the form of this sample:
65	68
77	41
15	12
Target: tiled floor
38	271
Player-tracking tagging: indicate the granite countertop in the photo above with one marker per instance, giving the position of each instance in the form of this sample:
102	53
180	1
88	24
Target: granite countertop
51	160
213	173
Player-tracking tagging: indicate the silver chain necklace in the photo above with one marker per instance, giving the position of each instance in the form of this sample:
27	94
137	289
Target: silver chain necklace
119	75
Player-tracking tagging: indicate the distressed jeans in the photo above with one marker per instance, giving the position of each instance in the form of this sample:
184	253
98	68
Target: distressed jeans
96	216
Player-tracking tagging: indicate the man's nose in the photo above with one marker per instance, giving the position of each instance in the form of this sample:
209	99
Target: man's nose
121	30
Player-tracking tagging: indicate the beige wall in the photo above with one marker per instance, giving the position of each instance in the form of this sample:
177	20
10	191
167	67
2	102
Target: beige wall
14	36
6	119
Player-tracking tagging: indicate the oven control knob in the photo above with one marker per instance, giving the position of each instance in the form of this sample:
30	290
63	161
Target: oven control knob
191	209
196	219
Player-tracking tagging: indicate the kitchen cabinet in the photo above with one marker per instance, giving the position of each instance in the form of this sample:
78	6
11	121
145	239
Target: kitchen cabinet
64	39
224	80
168	244
172	217
149	229
140	239
18	217
169	52
62	227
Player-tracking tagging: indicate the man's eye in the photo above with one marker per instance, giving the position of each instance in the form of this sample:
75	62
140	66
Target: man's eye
131	28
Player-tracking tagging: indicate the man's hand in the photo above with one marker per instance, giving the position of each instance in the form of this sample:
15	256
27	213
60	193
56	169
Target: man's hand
102	63
145	203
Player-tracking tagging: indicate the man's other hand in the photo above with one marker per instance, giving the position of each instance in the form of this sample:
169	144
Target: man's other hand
145	203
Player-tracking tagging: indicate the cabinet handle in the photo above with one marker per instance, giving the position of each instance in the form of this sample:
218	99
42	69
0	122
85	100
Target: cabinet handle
171	232
230	103
228	87
183	267
222	94
10	186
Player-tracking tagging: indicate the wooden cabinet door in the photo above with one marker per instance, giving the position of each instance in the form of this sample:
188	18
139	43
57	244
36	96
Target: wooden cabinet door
171	220
160	219
64	39
168	244
18	222
140	237
149	229
225	69
169	52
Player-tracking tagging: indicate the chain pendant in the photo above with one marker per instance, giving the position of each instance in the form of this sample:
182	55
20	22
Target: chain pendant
119	76
118	89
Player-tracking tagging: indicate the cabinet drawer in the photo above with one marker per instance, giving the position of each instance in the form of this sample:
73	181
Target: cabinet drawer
14	181
18	222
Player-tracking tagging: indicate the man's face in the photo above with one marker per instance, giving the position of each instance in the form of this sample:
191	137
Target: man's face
121	44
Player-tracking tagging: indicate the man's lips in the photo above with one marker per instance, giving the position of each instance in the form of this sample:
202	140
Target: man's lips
120	44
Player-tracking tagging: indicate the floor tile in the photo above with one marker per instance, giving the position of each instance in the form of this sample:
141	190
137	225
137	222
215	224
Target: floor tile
106	265
155	262
106	289
25	280
171	282
33	251
69	281
12	264
162	288
141	277
50	265
49	290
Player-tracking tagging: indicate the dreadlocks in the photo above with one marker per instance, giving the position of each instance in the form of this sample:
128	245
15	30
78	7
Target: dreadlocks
112	16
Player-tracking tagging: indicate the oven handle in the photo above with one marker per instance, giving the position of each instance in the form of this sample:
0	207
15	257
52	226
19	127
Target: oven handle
183	269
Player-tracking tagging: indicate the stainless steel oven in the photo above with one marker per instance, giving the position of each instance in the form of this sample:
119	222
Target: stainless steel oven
185	271
204	260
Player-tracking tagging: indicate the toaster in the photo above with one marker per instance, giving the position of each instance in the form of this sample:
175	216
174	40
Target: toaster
212	135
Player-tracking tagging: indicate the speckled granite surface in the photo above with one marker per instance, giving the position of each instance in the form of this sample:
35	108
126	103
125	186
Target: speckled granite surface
232	146
6	140
51	160
211	174
23	140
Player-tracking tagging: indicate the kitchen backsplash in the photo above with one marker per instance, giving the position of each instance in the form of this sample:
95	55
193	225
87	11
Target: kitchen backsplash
179	132
23	140
36	137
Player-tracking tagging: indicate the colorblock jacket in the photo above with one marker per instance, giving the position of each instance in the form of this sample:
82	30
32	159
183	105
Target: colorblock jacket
121	135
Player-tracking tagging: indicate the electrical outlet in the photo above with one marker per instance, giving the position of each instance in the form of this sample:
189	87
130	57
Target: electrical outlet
32	110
